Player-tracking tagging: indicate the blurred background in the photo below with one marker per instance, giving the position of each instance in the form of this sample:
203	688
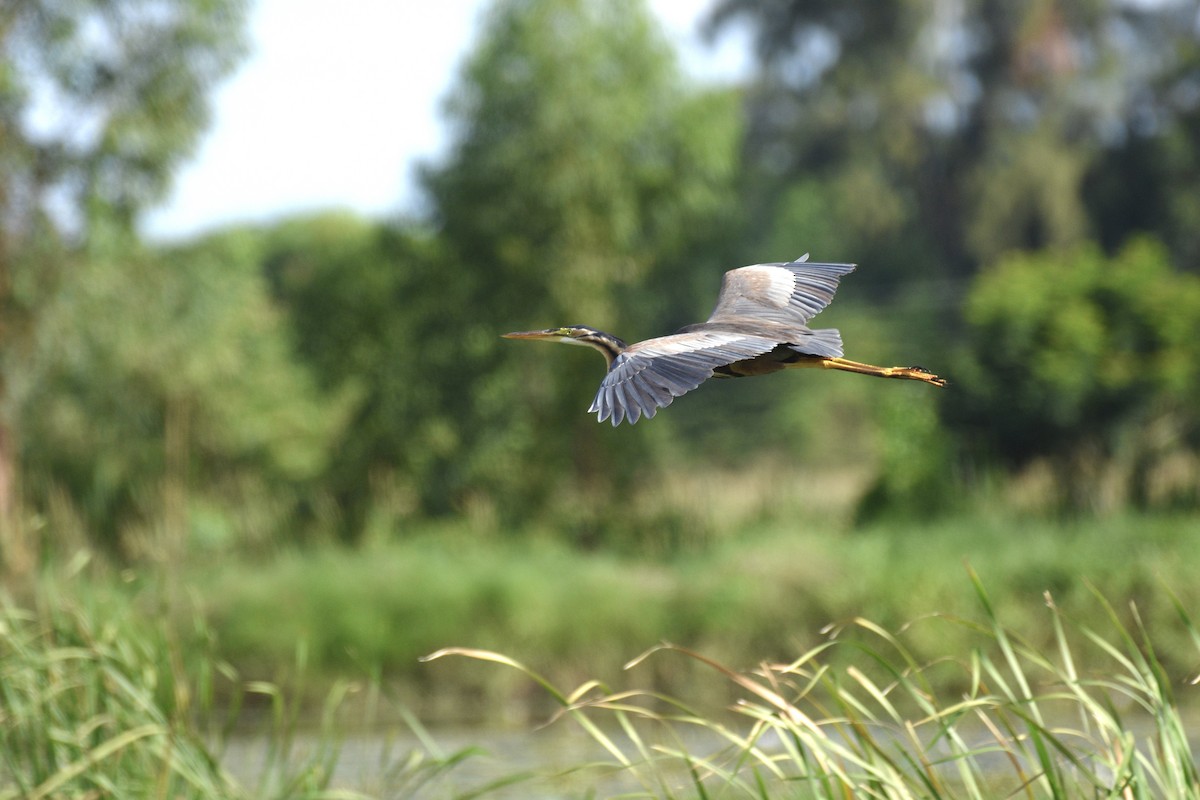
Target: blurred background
249	320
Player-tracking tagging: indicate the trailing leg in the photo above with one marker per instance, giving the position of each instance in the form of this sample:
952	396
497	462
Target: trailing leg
846	365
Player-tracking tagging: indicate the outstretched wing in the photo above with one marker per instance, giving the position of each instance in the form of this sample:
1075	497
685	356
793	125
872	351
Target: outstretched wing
650	374
788	294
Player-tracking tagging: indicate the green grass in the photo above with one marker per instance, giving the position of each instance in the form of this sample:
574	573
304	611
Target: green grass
767	593
1031	722
89	705
98	701
105	692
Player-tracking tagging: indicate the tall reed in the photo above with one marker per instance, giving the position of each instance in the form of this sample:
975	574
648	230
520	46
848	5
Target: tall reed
97	707
97	701
1027	723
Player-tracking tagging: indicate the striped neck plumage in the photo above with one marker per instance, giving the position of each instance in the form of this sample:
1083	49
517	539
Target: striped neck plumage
608	345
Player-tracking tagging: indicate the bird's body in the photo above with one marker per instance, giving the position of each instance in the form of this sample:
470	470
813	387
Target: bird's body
759	326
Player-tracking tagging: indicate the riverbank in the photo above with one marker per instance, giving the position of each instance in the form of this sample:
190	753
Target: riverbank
100	694
305	617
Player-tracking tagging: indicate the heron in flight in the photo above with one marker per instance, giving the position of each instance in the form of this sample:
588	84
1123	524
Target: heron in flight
759	326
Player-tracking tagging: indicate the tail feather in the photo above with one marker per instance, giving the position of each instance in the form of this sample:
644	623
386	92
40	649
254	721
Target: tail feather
826	343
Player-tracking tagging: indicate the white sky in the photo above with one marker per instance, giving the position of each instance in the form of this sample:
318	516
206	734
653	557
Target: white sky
338	101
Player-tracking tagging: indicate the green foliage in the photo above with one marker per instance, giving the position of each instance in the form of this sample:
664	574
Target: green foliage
363	301
97	700
166	368
916	478
101	99
581	164
99	102
580	158
95	708
1027	193
103	692
1078	357
960	133
350	373
878	726
755	594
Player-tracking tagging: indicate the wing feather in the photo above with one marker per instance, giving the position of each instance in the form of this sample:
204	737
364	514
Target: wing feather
785	293
651	374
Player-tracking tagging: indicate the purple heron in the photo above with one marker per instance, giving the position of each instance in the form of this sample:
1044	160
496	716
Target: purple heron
759	326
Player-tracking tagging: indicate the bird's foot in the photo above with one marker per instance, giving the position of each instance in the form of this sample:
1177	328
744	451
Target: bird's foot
918	373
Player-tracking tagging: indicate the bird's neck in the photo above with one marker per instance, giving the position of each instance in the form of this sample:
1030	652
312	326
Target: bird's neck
608	345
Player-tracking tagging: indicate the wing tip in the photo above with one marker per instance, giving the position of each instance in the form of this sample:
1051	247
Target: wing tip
627	405
837	267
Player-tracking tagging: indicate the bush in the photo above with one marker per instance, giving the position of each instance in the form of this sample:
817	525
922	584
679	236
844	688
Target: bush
1089	364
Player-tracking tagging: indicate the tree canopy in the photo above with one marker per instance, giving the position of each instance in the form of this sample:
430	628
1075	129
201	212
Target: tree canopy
582	162
1084	359
972	128
1017	182
99	102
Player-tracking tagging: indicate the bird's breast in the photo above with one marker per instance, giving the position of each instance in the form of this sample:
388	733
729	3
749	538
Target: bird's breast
774	361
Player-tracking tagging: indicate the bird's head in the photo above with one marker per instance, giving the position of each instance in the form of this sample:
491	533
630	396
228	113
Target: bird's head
606	343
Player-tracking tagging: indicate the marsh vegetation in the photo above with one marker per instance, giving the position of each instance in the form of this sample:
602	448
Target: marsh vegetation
251	480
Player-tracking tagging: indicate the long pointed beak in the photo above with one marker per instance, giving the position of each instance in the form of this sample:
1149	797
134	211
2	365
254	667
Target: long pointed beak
551	333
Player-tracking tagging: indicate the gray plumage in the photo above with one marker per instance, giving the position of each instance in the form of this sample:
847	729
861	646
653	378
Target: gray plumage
759	307
759	326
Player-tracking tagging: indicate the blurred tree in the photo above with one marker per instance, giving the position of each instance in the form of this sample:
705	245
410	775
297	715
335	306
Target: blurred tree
1085	361
935	135
99	101
362	302
582	167
156	372
1146	181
